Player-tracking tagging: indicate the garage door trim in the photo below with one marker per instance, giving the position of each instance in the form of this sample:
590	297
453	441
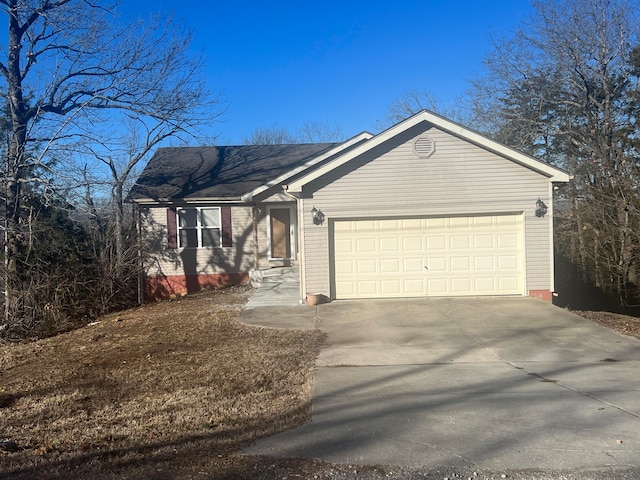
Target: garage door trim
455	271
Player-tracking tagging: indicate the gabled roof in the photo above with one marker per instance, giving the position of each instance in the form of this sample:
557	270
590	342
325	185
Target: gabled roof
220	173
239	173
553	173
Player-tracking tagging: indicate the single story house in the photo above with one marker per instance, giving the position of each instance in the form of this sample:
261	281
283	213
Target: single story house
425	208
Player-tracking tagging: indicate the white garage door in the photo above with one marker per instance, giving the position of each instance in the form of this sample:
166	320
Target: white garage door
454	256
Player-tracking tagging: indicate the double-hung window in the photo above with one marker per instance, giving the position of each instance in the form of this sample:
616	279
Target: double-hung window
199	227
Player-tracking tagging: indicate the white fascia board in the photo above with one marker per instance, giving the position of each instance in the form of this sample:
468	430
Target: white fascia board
555	174
248	197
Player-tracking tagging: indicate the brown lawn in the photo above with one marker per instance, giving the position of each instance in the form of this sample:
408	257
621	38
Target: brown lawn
168	391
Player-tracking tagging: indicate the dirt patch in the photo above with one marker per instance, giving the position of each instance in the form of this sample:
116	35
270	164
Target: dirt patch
622	323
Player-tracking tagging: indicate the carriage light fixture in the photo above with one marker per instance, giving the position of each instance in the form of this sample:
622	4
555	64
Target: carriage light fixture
541	208
317	215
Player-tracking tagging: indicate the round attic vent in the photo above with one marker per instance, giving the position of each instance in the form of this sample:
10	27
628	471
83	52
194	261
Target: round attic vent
424	147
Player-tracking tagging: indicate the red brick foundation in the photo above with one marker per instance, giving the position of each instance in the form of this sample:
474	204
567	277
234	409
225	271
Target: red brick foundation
545	295
164	287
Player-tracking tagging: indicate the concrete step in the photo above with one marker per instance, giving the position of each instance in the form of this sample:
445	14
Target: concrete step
274	275
280	272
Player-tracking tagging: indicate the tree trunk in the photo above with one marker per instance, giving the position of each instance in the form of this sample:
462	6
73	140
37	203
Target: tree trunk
15	168
118	224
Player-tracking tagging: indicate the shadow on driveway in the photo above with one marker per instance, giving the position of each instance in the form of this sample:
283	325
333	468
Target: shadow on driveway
489	383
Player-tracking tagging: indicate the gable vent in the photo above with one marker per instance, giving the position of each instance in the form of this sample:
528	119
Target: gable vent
424	147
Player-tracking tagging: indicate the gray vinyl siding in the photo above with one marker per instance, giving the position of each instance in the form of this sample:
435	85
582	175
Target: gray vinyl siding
460	178
238	258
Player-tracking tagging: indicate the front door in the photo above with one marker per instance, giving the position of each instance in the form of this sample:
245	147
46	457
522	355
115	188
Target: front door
280	232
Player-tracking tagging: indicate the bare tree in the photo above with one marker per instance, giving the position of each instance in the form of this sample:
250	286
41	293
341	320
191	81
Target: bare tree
310	132
415	101
562	88
272	135
319	132
69	66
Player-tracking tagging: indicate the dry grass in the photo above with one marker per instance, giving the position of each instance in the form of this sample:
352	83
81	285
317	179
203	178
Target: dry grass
622	323
176	385
169	391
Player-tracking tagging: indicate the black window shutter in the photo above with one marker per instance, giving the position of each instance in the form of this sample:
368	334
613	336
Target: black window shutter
172	228
227	235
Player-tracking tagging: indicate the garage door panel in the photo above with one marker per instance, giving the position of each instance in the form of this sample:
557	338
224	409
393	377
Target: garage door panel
365	287
508	262
509	283
389	225
463	256
437	264
435	223
486	222
437	287
412	224
364	267
459	242
484	241
484	263
412	244
344	267
391	266
389	245
412	265
391	287
413	287
346	289
436	243
508	241
485	285
459	222
365	245
508	220
344	246
461	286
460	265
364	226
344	226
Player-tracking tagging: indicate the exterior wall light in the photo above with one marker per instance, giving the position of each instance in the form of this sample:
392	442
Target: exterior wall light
317	215
541	208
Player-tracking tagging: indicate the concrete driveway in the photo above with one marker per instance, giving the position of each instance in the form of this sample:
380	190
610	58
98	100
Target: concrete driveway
487	383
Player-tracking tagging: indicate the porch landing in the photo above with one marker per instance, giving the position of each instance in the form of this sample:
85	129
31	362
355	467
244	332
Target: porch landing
278	286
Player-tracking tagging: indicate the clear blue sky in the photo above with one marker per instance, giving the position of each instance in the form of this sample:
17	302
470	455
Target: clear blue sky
286	63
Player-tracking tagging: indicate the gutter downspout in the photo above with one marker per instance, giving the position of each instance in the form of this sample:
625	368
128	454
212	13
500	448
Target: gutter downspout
300	228
551	213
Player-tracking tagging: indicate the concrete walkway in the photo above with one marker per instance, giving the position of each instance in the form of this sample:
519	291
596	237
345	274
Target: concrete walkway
487	383
276	302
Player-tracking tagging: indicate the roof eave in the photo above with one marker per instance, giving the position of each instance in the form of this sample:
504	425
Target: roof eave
248	197
187	201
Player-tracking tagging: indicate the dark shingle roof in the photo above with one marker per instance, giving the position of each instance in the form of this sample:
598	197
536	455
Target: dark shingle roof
219	172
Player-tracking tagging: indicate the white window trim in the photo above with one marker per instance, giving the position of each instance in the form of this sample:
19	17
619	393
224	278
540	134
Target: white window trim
199	228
